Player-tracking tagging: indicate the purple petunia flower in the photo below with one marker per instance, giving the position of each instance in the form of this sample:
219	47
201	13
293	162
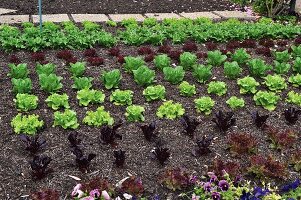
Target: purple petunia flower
212	176
290	186
224	185
216	196
207	186
247	196
94	193
260	192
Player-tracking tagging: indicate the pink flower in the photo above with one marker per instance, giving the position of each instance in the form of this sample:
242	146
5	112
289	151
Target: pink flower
94	193
105	195
77	192
87	198
194	197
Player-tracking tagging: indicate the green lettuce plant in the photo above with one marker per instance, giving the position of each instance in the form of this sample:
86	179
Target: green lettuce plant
19	71
134	113
87	96
80	83
28	124
66	119
162	61
144	76
186	89
275	82
266	99
204	104
98	118
170	110
283	56
215	58
77	69
26	102
47	69
56	101
122	97
133	63
247	85
202	73
258	67
217	87
240	56
111	79
296	51
232	70
152	93
294	98
295	80
50	83
21	85
235	102
174	75
281	68
187	60
297	65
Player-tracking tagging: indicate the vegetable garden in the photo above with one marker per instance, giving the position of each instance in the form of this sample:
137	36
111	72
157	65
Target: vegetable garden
178	109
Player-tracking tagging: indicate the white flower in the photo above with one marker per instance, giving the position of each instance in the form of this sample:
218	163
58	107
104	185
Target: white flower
127	196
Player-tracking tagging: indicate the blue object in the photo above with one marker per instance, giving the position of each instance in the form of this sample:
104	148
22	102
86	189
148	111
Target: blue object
40	15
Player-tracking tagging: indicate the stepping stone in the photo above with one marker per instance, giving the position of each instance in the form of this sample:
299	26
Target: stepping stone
234	14
4	11
196	15
51	18
90	17
120	17
13	19
161	16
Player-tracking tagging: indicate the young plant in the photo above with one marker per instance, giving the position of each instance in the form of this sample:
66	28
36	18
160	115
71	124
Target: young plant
47	69
144	76
19	71
66	119
122	97
281	68
224	121
275	82
281	139
114	51
34	143
108	135
39	166
132	185
241	143
111	79
45	193
297	65
134	113
28	124
217	87
175	179
295	80
74	140
149	131
187	60
231	167
56	101
202	73
204	104
266	99
202	146
82	161
152	93
133	63
26	102
282	57
186	89
235	102
50	83
22	86
190	46
98	118
95	61
119	158
291	115
190	125
295	160
162	61
174	75
294	98
162	154
90	53
87	96
170	110
215	58
259	120
77	69
80	83
247	85
240	56
232	70
258	68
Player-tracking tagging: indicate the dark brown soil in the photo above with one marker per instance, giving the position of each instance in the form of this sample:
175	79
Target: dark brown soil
15	170
115	6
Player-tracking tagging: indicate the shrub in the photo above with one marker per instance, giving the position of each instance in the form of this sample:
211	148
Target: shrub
47	69
19	71
122	97
281	68
174	75
275	82
232	70
152	93
295	80
162	61
258	67
235	102
217	87
240	56
144	76
266	99
247	85
215	58
87	96
202	73
50	83
187	60
204	104
66	119
77	69
28	124
56	101
26	102
186	89
111	79
134	113
170	110
80	83
133	63
98	118
294	98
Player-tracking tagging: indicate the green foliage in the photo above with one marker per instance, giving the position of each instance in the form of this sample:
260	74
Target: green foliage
297	65
151	21
266	99
295	80
240	56
19	71
26	102
258	67
283	56
47	69
80	83
77	69
174	75
294	98
186	89
28	124
50	83
187	60
98	118
281	68
204	104
162	61
296	51
217	87
133	63
232	70
87	96
122	97
111	23
21	85
170	110
111	79
56	101
90	26
144	76
66	119
235	102
152	93
247	85
275	82
215	58
202	73
129	22
134	113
